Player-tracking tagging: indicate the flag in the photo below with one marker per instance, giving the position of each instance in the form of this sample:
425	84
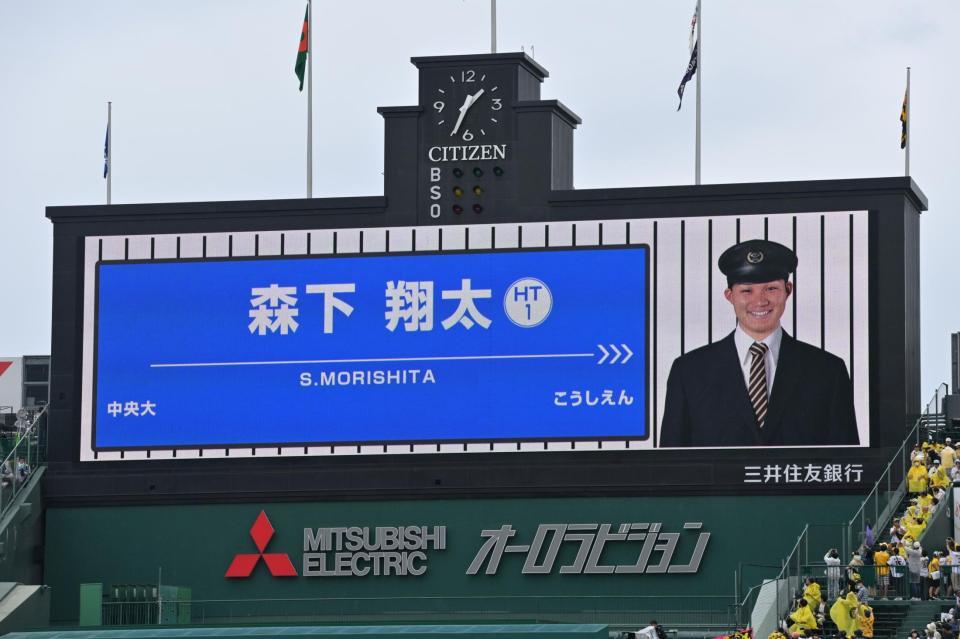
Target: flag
691	69
106	152
903	122
693	27
300	67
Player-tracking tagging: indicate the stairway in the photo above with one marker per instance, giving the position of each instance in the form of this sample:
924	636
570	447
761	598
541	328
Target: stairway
919	614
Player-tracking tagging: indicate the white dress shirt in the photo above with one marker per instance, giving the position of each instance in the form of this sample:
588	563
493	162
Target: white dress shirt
744	342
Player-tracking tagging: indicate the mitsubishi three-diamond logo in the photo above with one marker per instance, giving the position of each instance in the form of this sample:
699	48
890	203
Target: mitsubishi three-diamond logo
278	563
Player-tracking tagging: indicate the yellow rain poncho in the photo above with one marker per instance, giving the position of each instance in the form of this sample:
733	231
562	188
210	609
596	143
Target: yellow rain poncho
803	619
843	612
812	594
864	622
917	478
940	478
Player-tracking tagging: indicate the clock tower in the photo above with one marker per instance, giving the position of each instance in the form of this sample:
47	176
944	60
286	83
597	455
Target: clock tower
480	146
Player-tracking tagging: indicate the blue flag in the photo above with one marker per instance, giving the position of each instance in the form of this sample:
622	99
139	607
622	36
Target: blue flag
691	69
106	153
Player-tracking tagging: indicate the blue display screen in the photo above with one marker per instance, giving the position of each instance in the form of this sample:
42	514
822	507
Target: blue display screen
417	347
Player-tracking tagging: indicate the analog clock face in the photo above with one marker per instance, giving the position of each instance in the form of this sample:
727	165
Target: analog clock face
467	106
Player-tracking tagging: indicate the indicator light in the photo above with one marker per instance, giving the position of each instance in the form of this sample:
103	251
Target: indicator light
477	208
477	171
457	191
458	172
477	191
457	209
498	171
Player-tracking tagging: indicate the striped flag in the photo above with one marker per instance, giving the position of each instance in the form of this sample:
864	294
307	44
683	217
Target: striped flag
300	67
691	69
106	152
903	121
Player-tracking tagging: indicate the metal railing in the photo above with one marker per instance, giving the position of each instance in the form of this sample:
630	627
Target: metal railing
876	510
27	452
623	611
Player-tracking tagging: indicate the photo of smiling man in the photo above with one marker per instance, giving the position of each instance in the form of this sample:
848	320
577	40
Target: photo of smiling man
758	386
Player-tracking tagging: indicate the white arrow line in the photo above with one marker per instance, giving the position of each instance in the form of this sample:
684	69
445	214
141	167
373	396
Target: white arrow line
629	353
448	358
617	353
605	354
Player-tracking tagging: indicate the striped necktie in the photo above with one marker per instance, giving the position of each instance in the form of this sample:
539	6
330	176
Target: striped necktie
757	388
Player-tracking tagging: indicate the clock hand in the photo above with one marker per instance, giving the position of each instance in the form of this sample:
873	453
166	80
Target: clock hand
468	102
463	111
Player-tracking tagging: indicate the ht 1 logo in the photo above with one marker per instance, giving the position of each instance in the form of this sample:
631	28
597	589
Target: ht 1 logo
278	563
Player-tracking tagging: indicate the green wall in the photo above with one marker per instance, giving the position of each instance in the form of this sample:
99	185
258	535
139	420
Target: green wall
194	545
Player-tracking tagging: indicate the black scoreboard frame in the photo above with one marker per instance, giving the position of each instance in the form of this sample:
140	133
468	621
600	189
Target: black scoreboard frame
893	208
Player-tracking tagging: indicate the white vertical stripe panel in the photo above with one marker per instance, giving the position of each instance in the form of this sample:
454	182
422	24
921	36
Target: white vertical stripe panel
619	445
586	445
113	248
668	304
135	455
139	247
836	294
615	232
696	295
641	232
112	455
424	448
337	450
160	454
478	448
507	236
561	233
268	243
454	238
507	447
531	446
397	449
244	244
91	248
807	286
751	228
294	243
269	451
781	230
533	235
724	236
451	448
427	238
218	245
165	247
184	454
348	241
588	233
401	240
374	240
373	450
191	245
480	237
241	452
861	323
321	242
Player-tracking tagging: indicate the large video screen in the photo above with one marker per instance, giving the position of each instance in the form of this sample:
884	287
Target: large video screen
488	346
593	335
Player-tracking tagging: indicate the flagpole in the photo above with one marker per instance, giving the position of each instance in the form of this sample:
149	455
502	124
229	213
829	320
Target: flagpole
699	76
906	155
309	99
109	148
493	26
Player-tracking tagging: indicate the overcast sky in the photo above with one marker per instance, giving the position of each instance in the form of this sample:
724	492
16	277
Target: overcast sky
206	107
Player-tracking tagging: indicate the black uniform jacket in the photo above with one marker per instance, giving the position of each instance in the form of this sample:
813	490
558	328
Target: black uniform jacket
707	402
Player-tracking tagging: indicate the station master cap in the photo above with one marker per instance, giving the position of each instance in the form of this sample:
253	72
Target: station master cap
757	261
